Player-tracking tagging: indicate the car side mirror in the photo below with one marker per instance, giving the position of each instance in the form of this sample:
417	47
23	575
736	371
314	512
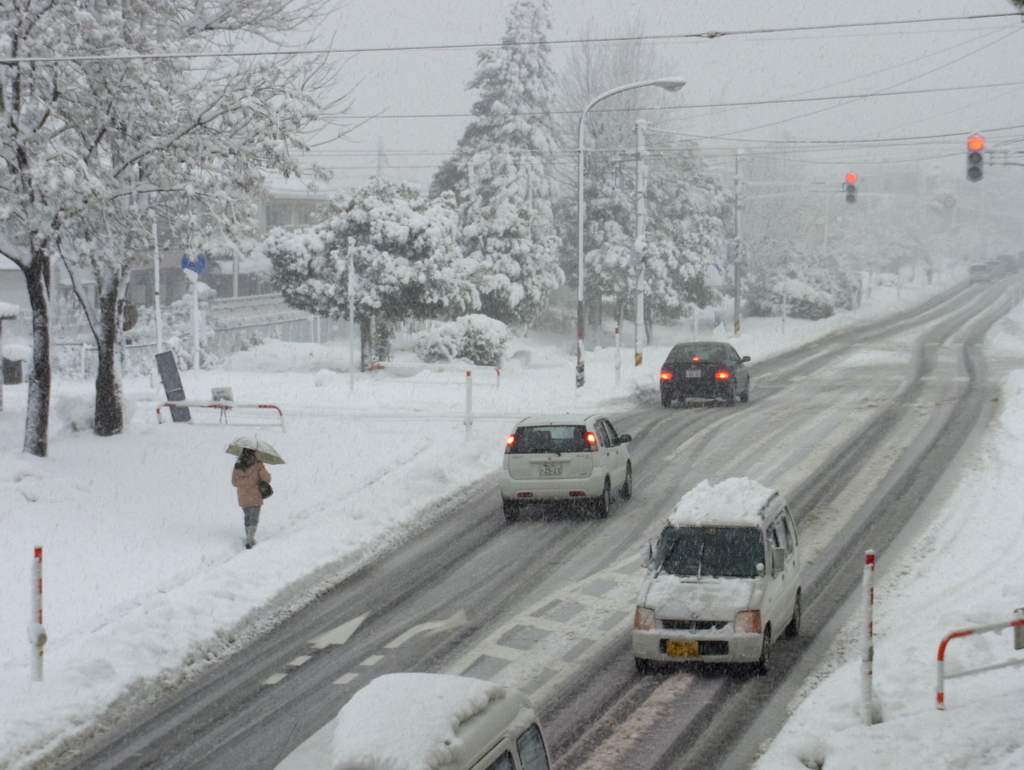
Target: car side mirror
648	556
625	438
745	359
778	560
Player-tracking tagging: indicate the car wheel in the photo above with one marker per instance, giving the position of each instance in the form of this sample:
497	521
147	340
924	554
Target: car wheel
604	502
627	486
766	652
644	666
511	510
666	399
793	629
745	395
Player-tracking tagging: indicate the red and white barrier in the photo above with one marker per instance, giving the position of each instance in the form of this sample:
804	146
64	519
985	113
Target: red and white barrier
940	693
867	657
36	631
469	405
224	406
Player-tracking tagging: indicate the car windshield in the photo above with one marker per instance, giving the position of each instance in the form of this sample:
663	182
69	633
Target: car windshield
709	551
701	352
544	439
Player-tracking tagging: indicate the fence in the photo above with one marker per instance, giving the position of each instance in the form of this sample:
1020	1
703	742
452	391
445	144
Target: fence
1018	644
78	359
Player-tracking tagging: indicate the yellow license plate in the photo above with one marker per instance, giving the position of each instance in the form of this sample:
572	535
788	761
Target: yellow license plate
681	649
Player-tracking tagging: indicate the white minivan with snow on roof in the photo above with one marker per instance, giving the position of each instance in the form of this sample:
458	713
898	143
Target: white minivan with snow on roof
437	721
723	582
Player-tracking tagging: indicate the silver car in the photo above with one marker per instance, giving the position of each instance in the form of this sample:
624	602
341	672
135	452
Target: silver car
578	459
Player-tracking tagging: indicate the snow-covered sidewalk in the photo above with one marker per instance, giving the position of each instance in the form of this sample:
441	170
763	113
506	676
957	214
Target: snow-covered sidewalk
147	582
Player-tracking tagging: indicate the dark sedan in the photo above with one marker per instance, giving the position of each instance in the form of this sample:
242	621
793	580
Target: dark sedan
709	370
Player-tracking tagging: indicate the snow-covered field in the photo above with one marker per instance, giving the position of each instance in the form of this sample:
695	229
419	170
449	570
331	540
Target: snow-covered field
148	584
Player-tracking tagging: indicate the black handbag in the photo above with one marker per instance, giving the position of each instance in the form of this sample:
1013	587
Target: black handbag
265	489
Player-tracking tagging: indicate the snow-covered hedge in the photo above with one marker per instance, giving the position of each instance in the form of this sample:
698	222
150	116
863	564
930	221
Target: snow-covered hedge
476	337
801	300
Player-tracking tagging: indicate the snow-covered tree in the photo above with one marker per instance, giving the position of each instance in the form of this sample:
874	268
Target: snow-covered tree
685	203
500	170
407	259
91	145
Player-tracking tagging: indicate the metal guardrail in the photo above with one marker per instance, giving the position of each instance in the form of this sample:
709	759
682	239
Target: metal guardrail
1018	644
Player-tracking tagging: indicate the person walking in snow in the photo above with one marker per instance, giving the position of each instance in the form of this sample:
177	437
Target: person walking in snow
249	471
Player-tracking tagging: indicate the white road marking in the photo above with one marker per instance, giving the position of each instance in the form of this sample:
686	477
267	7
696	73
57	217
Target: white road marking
300	660
373	660
456	620
699	435
274	679
346	678
338	635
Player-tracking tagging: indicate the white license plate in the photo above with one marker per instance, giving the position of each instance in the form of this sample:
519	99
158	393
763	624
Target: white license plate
694	372
551	469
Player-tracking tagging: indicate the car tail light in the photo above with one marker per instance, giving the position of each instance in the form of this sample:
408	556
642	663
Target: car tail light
577	493
524	494
723	375
695	358
748	622
592	441
666	375
511	440
643	619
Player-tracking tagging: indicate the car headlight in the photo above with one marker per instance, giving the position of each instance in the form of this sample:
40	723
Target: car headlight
643	619
748	622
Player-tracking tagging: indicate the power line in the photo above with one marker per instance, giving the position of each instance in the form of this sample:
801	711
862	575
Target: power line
709	35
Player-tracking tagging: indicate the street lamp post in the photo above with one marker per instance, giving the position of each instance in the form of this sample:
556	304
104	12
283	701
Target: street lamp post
669	84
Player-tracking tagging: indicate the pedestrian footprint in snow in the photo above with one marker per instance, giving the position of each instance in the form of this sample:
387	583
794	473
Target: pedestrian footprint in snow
249	471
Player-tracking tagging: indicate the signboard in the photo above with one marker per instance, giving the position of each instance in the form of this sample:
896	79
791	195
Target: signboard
196	264
175	391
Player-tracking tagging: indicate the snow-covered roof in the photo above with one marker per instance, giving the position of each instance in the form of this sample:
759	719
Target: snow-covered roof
730	502
414	722
7	310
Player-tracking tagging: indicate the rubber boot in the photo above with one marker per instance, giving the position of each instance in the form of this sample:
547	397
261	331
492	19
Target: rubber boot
250	537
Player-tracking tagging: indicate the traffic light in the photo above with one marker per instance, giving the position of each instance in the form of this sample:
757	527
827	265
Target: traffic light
975	159
850	188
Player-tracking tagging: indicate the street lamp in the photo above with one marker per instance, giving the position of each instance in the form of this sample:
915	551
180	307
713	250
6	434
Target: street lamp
669	84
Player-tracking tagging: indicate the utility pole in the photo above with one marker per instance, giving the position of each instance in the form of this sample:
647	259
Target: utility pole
736	266
640	245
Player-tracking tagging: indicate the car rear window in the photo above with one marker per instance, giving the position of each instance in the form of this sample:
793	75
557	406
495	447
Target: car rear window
709	551
543	439
713	353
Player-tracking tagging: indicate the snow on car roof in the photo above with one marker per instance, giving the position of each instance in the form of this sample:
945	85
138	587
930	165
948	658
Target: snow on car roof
409	721
735	502
555	419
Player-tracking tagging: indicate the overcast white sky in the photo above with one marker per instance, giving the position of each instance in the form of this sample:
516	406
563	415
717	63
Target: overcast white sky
729	69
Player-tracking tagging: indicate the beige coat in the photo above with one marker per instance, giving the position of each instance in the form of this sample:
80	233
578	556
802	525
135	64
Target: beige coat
246	479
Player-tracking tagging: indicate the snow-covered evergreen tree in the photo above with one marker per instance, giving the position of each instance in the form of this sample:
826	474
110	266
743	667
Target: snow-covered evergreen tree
500	170
408	262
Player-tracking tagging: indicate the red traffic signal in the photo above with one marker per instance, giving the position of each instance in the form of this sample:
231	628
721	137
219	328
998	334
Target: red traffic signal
849	188
851	178
975	158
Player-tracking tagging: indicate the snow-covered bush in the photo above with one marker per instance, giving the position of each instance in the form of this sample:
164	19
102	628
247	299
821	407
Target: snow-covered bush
476	337
801	300
177	330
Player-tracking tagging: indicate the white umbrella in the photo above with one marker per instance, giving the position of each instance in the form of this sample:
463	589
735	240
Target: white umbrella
263	450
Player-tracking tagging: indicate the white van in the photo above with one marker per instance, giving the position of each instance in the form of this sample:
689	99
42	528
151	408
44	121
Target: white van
708	594
436	721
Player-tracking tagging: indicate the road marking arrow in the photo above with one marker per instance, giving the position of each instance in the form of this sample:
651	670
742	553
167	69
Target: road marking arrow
338	635
456	620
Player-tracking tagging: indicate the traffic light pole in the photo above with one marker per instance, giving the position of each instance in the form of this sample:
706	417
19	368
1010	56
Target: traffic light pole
640	246
736	266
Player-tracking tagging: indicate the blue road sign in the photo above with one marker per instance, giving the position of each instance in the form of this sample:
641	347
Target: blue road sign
196	264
